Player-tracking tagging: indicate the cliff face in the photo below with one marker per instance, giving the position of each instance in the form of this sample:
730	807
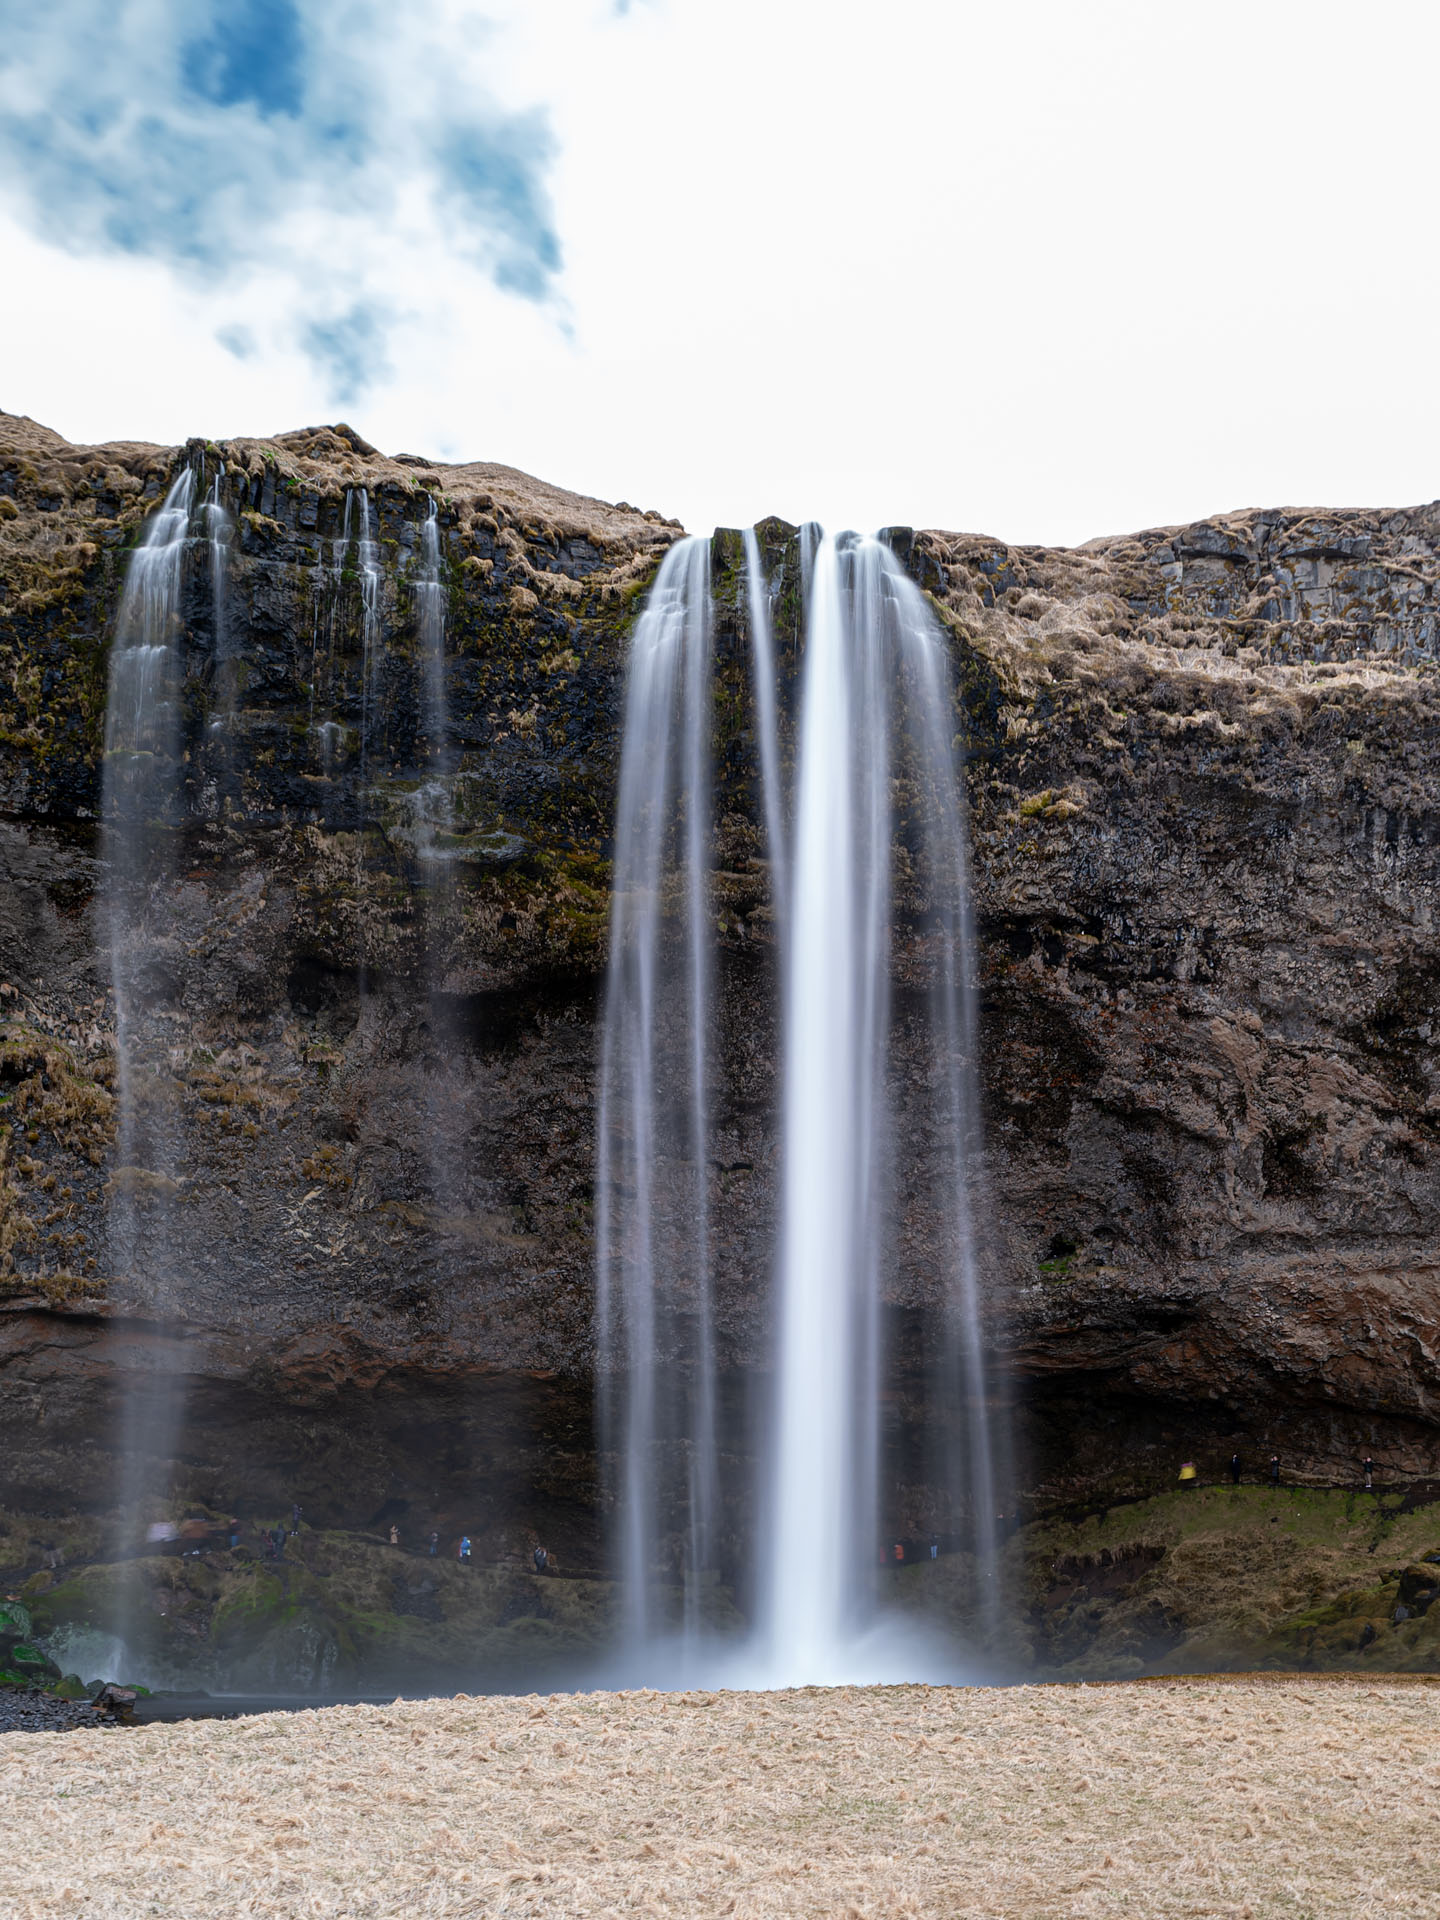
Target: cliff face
1201	774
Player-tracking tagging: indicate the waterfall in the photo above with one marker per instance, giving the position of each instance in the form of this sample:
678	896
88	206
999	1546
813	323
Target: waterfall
876	717
430	600
219	528
139	782
972	1457
876	768
762	655
434	804
140	785
835	1014
368	553
657	1362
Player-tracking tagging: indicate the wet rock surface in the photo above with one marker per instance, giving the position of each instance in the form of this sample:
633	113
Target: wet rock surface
26	1710
1201	767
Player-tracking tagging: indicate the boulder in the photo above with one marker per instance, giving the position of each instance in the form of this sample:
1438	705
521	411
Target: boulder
1419	1585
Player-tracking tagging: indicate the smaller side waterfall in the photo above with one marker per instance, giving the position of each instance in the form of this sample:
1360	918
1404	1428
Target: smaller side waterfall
140	790
220	530
138	785
657	1360
430	601
368	554
140	712
435	815
762	650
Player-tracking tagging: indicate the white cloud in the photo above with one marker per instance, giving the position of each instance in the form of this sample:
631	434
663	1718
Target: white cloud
1045	270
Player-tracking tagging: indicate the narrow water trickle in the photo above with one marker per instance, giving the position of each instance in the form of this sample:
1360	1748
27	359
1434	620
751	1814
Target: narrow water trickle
435	818
140	789
657	1356
219	528
368	554
762	653
430	601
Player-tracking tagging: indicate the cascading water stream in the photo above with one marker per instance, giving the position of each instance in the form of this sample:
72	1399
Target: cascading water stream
823	1497
368	554
876	765
219	528
653	1245
973	1456
762	652
325	598
430	601
434	803
876	685
140	787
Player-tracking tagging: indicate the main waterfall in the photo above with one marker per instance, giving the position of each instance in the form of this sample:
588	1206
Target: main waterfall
876	779
876	721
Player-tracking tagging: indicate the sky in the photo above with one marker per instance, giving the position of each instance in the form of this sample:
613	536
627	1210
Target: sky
1037	269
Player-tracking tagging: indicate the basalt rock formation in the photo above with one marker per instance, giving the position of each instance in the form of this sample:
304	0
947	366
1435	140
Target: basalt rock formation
1201	769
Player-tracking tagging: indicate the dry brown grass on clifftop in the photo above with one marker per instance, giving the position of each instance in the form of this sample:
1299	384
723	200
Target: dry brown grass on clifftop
1167	1799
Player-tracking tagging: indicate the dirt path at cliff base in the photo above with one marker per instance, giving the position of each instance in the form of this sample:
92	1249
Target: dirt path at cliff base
1170	1798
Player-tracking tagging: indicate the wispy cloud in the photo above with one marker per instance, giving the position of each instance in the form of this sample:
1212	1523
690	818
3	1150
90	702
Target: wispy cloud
351	349
226	138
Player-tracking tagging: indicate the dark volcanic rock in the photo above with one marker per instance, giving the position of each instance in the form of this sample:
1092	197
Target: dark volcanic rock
24	1710
1202	774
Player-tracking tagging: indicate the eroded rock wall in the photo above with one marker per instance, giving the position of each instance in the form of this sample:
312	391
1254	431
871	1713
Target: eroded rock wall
1200	765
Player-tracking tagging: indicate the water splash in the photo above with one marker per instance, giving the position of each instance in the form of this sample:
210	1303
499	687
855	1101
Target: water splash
657	1360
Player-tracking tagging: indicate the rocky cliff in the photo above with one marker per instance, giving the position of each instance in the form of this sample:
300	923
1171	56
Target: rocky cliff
1200	768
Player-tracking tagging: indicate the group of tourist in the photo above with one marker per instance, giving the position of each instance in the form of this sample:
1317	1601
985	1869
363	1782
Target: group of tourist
1190	1473
464	1551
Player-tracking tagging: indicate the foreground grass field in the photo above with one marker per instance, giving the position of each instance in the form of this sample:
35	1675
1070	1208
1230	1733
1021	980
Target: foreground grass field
1244	1797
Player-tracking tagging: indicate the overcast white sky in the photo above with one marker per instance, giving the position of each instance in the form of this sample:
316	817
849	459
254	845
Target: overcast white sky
1042	270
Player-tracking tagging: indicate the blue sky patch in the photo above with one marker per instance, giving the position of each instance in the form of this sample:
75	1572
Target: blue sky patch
255	51
227	138
350	348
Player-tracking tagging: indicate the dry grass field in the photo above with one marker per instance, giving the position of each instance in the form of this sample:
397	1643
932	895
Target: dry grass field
1244	1797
